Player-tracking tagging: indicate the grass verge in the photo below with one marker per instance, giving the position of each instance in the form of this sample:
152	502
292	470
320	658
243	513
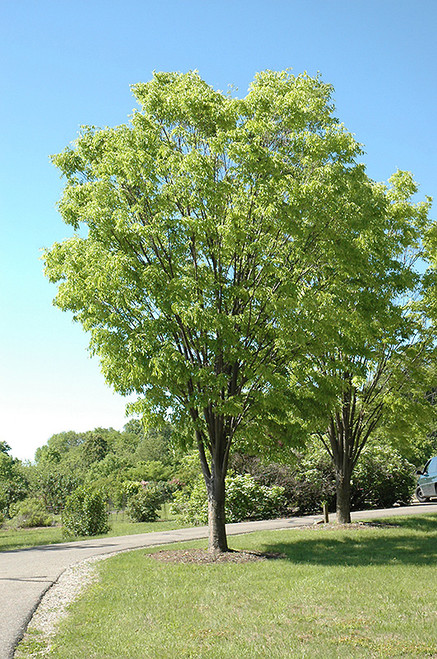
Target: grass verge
338	592
21	538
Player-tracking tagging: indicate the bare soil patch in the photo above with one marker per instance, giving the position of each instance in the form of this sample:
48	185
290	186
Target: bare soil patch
202	556
335	526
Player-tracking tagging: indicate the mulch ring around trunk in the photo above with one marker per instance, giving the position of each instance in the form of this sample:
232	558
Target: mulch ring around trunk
204	556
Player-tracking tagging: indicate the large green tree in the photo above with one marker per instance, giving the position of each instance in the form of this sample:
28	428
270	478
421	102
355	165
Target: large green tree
209	231
374	372
379	396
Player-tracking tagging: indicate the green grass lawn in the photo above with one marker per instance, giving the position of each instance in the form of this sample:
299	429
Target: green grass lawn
337	592
120	525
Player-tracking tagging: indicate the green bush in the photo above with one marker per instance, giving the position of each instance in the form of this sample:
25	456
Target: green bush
85	513
314	482
245	499
382	478
55	488
130	488
152	470
188	470
190	505
266	473
3	502
306	483
144	505
29	513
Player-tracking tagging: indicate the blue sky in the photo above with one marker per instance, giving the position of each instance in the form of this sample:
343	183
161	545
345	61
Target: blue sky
66	63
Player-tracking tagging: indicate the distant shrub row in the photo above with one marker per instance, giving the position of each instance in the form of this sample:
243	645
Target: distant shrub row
254	490
381	479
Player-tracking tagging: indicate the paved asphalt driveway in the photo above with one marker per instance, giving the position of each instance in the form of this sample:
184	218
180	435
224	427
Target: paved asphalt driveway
26	574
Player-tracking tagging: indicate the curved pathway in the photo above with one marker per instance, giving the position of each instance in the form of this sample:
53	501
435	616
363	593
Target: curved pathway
26	574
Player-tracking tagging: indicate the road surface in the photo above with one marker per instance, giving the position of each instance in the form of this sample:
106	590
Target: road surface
26	574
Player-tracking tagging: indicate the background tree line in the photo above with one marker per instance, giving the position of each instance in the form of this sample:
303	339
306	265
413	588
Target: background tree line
138	471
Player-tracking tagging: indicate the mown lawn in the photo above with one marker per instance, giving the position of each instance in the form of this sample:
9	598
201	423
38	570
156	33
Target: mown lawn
21	538
337	592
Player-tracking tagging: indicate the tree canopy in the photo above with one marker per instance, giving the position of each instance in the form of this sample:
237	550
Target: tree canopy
215	241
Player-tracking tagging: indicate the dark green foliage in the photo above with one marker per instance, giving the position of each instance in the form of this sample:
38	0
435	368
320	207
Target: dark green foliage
135	427
62	454
314	483
190	504
187	471
246	499
145	504
152	470
155	445
103	458
13	482
4	447
29	513
55	487
85	513
94	448
382	478
421	450
307	482
59	444
111	465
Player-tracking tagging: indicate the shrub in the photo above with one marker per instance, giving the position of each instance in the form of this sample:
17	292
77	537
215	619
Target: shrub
314	482
382	478
190	504
3	502
154	470
55	488
144	505
85	513
29	513
188	470
266	473
130	488
306	483
245	499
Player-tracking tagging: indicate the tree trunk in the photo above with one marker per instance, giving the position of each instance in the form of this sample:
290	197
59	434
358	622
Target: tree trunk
217	541
214	473
342	437
343	491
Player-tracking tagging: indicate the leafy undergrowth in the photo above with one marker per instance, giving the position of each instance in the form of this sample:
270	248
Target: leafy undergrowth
365	591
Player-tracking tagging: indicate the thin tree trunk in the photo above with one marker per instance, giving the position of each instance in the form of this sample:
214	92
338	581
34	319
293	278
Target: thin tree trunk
341	437
343	491
214	473
217	541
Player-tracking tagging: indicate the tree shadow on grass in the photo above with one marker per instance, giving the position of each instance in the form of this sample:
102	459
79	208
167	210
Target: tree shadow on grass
389	545
427	522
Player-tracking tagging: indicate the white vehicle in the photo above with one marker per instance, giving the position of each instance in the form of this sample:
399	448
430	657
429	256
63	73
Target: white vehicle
427	481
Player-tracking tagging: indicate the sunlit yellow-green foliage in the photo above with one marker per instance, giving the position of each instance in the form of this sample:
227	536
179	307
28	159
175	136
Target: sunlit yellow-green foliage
231	255
214	225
